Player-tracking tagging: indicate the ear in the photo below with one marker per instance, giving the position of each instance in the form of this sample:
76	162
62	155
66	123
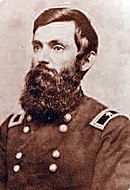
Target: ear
87	63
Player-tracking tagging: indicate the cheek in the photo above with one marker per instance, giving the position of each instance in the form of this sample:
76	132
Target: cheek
64	59
70	56
68	60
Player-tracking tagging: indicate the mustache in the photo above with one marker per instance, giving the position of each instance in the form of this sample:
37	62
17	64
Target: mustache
38	75
74	68
42	65
41	69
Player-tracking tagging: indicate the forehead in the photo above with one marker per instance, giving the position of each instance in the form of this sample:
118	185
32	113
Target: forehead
57	30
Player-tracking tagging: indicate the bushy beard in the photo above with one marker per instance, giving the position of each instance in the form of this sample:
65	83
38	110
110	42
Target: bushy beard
48	94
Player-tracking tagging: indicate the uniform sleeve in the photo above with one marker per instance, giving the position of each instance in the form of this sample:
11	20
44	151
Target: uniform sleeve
3	160
112	168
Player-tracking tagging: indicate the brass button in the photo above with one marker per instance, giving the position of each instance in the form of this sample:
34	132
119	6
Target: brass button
29	118
19	155
16	168
56	154
67	117
63	128
53	168
26	129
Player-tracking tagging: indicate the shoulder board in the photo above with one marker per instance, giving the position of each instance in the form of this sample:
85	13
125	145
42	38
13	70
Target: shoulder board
101	120
16	119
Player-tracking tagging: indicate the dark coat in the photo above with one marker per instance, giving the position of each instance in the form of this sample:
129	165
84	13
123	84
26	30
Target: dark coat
87	158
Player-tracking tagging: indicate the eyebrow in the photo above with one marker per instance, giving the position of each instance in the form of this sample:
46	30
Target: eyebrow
36	42
51	43
54	42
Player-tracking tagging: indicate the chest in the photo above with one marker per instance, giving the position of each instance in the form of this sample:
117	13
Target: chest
51	155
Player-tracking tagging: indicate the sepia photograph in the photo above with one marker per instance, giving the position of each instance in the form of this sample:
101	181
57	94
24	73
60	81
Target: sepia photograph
64	95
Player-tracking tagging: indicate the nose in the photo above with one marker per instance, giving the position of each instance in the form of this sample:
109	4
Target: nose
44	56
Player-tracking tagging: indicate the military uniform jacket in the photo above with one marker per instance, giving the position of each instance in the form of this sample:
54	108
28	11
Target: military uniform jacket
82	152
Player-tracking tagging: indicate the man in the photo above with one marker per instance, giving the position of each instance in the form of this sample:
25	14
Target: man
63	140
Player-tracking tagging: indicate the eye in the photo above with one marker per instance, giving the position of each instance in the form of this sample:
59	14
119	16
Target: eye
36	48
58	48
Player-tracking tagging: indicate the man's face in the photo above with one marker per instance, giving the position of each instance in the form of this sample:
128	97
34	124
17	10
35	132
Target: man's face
54	45
51	85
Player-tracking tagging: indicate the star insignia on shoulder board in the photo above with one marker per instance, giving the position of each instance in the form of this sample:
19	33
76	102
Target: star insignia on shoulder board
101	120
16	119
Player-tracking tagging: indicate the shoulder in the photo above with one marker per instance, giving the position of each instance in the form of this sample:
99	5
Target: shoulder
102	117
13	120
108	117
113	127
16	119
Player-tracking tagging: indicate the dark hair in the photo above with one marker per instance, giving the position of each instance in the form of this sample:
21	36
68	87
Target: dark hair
85	36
